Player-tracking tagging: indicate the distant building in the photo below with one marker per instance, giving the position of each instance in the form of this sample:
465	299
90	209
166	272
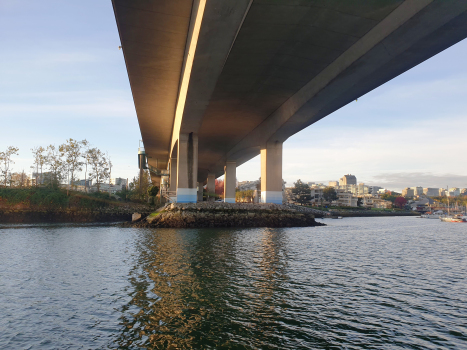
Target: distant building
346	199
408	192
417	191
106	188
316	194
82	183
118	181
374	189
348	180
333	183
442	192
431	192
454	192
44	178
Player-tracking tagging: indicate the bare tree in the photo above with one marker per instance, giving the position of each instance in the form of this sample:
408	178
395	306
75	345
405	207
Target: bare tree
99	166
39	161
55	164
110	172
5	160
73	151
86	157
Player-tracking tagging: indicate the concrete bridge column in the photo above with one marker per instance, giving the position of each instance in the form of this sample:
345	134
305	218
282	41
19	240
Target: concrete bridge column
211	186
173	174
271	173
230	179
187	168
200	191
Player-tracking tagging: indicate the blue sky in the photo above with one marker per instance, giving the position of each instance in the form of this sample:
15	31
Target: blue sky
63	76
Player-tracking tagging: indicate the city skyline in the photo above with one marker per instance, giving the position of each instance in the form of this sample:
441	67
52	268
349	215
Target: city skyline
63	76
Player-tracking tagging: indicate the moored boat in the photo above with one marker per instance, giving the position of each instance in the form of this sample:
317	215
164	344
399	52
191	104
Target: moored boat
453	218
432	215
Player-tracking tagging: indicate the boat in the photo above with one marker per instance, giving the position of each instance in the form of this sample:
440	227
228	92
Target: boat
453	218
432	215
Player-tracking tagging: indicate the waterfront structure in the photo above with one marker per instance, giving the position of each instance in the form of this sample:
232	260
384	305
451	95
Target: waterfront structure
212	90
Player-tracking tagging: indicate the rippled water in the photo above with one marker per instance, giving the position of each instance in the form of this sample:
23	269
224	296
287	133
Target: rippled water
358	283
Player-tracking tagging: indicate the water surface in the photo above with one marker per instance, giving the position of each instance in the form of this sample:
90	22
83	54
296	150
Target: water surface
358	283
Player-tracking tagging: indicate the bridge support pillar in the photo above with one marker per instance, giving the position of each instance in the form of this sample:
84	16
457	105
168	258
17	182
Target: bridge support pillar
271	173
211	187
173	174
200	191
230	179
187	168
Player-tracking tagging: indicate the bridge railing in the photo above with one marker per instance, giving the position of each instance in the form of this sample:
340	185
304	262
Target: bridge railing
170	196
157	172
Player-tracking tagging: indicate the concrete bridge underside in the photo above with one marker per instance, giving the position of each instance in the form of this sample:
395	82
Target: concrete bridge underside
217	82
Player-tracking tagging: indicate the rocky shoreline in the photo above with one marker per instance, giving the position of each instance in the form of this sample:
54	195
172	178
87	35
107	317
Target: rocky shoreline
215	214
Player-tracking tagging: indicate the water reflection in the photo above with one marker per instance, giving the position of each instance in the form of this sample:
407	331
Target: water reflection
205	289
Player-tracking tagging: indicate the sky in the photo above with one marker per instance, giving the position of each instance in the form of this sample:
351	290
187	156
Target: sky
62	76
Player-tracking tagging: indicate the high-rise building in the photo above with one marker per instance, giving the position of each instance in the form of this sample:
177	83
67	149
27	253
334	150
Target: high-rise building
348	180
118	181
408	192
417	191
431	192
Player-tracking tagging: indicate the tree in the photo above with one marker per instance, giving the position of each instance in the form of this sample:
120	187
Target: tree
99	166
56	165
5	160
330	194
39	161
219	186
153	191
73	151
110	171
85	156
359	202
400	202
302	192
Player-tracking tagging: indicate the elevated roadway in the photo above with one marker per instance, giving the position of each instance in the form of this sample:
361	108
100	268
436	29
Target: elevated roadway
217	82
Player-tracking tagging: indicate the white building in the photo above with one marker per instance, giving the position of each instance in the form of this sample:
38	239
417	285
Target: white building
118	181
417	191
431	192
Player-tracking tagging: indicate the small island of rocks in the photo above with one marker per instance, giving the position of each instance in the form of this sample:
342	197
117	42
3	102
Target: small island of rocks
218	214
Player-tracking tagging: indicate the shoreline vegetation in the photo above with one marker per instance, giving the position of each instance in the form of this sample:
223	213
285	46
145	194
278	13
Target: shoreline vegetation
49	205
